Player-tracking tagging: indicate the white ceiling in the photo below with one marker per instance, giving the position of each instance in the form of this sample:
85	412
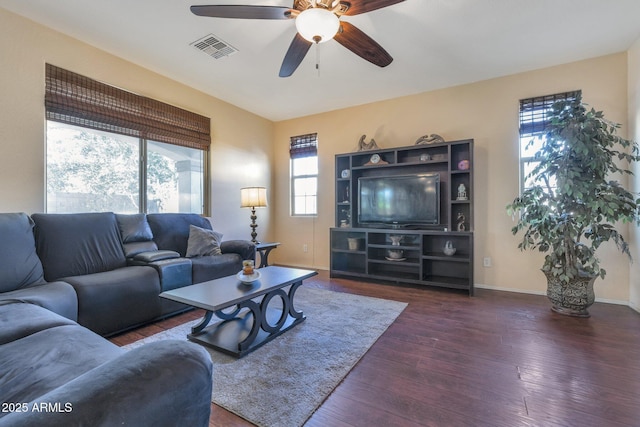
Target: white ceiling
434	43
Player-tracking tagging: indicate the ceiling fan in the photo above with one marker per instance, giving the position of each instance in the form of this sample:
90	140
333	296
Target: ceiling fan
317	21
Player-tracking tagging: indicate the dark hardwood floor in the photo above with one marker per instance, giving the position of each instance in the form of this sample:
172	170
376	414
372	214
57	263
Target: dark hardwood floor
496	359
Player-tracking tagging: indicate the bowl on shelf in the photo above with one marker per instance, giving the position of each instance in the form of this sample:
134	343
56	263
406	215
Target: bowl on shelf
395	253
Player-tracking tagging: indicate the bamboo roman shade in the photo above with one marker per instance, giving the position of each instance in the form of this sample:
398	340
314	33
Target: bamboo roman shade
304	146
78	100
534	111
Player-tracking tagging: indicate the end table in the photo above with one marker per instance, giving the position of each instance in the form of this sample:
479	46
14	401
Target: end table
264	249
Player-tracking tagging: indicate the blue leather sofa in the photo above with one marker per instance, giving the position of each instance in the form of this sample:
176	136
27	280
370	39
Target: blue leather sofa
119	264
55	372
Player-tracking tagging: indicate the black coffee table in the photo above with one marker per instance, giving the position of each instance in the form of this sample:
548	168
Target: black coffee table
248	320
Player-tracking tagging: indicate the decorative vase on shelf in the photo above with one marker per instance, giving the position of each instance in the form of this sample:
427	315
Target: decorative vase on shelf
353	243
449	250
395	239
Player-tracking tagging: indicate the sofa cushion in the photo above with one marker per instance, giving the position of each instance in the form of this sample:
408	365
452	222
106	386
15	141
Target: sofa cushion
116	300
134	228
214	267
78	244
203	242
19	320
21	266
40	362
171	230
134	248
136	234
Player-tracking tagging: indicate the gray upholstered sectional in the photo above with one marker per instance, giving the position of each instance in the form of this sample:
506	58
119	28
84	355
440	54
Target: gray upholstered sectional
65	280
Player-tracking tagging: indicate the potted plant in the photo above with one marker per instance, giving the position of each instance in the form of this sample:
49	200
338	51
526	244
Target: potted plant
575	203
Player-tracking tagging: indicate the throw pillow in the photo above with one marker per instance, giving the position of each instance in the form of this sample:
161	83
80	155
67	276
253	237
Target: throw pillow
203	242
134	228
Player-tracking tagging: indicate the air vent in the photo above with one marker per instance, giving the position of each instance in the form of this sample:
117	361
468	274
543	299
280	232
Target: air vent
214	46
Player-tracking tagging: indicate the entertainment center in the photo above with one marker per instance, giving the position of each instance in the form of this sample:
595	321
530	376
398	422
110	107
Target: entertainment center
405	215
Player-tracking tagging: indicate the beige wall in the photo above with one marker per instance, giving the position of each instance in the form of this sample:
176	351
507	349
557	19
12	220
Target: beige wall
248	150
241	150
486	111
634	133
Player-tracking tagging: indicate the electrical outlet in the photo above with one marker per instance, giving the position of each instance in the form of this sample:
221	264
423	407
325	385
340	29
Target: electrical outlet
486	261
305	248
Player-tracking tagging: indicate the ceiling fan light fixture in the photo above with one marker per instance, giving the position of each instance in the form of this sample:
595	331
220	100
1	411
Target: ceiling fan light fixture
317	25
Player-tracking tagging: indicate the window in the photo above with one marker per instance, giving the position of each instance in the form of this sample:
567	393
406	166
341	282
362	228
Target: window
533	126
111	150
304	174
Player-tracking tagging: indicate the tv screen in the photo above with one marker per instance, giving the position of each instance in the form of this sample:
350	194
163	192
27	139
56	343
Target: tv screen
400	200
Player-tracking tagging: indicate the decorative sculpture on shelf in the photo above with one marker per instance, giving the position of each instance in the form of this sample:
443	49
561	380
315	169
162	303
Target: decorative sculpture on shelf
462	192
365	146
460	220
429	139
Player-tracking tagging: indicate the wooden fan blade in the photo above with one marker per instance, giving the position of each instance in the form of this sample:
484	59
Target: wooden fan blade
242	12
362	45
357	7
296	53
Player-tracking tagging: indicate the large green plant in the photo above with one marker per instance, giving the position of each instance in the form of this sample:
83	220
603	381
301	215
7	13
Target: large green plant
575	204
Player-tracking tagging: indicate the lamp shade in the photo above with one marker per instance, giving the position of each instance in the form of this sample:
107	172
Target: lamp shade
253	197
317	25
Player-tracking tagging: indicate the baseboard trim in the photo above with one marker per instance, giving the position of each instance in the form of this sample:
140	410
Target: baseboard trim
524	291
308	267
515	290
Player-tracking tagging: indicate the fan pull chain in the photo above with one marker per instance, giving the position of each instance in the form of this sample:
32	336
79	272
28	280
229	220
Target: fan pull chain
318	58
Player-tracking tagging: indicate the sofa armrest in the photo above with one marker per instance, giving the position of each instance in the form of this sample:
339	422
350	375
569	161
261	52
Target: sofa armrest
165	383
59	297
174	272
158	255
245	248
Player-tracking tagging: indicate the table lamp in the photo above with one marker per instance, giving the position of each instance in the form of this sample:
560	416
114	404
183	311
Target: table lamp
253	197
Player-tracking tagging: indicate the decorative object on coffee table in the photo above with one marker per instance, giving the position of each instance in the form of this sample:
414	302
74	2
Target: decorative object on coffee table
253	197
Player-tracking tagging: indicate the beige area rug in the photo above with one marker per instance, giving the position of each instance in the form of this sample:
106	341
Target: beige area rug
286	380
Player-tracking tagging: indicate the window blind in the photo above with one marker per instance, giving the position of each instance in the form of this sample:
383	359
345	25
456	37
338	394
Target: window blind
78	100
304	146
534	112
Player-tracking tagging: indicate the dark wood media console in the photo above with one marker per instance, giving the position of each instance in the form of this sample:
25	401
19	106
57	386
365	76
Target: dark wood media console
408	253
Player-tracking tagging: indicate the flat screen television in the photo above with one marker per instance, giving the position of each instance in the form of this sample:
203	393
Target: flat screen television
401	200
